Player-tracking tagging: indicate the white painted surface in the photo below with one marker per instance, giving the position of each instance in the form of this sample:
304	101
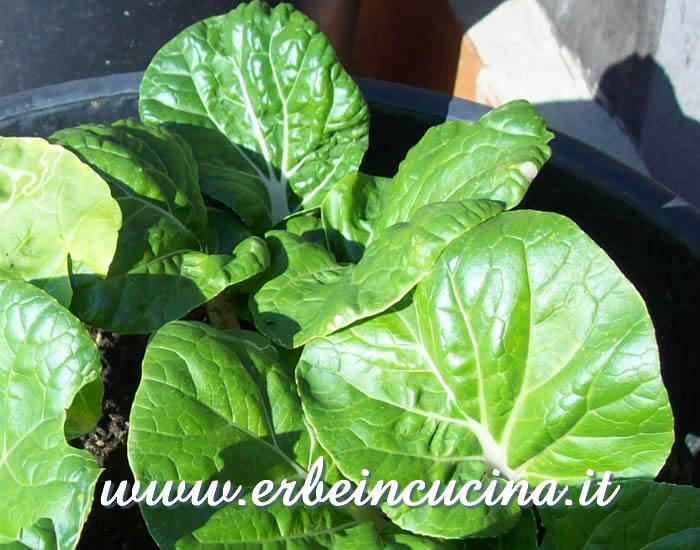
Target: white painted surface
522	56
679	52
523	59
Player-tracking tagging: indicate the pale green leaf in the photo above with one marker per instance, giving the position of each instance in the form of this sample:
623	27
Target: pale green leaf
85	411
524	350
46	357
312	295
40	536
493	158
348	212
308	226
53	210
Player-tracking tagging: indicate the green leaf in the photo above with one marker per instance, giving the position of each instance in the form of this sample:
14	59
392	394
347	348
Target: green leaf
393	538
348	212
165	288
216	405
524	350
309	227
46	357
228	228
522	537
645	515
141	177
273	118
53	210
312	295
494	158
160	268
85	411
174	158
688	539
40	536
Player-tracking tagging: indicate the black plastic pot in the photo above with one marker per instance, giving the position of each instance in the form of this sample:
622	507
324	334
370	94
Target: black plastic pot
651	235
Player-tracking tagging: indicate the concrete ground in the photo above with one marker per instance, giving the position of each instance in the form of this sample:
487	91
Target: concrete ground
519	57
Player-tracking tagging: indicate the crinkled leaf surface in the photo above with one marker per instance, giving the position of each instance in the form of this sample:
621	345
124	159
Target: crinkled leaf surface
348	212
53	209
46	357
171	165
314	295
217	405
161	269
645	515
494	158
147	167
525	350
273	118
165	288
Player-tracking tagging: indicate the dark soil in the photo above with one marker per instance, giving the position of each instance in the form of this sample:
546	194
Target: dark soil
117	528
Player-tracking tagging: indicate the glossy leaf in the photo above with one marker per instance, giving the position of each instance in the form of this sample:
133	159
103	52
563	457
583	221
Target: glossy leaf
85	411
40	536
46	357
524	350
645	515
141	177
166	289
161	270
494	158
348	212
308	227
217	405
313	295
174	170
273	118
53	210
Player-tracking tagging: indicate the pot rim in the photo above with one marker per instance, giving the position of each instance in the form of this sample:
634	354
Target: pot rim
652	199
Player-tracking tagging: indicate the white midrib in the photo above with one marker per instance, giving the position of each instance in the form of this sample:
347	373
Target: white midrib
285	172
277	193
483	412
276	189
285	117
493	454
